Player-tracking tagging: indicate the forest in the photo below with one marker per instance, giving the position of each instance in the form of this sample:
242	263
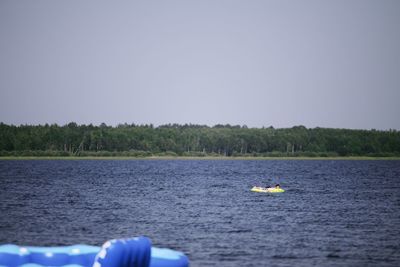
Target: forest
132	140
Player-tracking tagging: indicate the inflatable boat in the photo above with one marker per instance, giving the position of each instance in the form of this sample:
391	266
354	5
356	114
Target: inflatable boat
267	189
133	252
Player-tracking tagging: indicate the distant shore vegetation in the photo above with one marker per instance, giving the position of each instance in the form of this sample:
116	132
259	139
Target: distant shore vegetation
188	140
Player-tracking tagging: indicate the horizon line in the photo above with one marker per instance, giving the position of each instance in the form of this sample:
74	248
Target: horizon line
218	125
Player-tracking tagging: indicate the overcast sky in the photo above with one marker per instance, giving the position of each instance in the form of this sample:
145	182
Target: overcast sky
258	63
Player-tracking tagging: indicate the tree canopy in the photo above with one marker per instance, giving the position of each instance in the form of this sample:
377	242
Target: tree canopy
193	140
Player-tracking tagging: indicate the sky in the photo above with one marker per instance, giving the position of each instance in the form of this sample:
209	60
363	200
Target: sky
261	63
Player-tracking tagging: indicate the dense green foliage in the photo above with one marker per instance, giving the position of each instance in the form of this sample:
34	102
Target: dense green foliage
193	140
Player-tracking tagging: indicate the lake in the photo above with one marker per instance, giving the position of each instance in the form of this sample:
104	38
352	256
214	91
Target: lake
333	213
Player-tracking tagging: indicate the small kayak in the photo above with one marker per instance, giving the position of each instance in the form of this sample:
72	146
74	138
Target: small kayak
267	189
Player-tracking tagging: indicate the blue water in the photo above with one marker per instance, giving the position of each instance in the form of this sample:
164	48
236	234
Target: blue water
334	213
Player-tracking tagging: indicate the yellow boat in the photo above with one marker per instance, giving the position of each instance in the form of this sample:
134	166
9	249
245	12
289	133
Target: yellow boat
267	189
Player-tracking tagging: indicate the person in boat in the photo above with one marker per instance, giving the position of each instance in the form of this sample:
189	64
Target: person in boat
273	188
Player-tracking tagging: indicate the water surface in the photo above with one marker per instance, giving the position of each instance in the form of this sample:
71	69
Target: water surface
334	213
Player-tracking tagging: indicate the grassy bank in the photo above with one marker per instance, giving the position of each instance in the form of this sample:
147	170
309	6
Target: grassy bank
191	158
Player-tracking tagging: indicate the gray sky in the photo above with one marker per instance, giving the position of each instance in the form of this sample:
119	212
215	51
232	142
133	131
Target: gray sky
259	63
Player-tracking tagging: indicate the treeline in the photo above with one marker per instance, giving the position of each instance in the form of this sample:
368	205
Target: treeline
193	140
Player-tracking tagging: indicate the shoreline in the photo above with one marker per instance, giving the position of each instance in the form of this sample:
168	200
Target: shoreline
190	158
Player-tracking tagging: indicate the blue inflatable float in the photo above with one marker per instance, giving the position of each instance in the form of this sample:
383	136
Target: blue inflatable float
134	252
